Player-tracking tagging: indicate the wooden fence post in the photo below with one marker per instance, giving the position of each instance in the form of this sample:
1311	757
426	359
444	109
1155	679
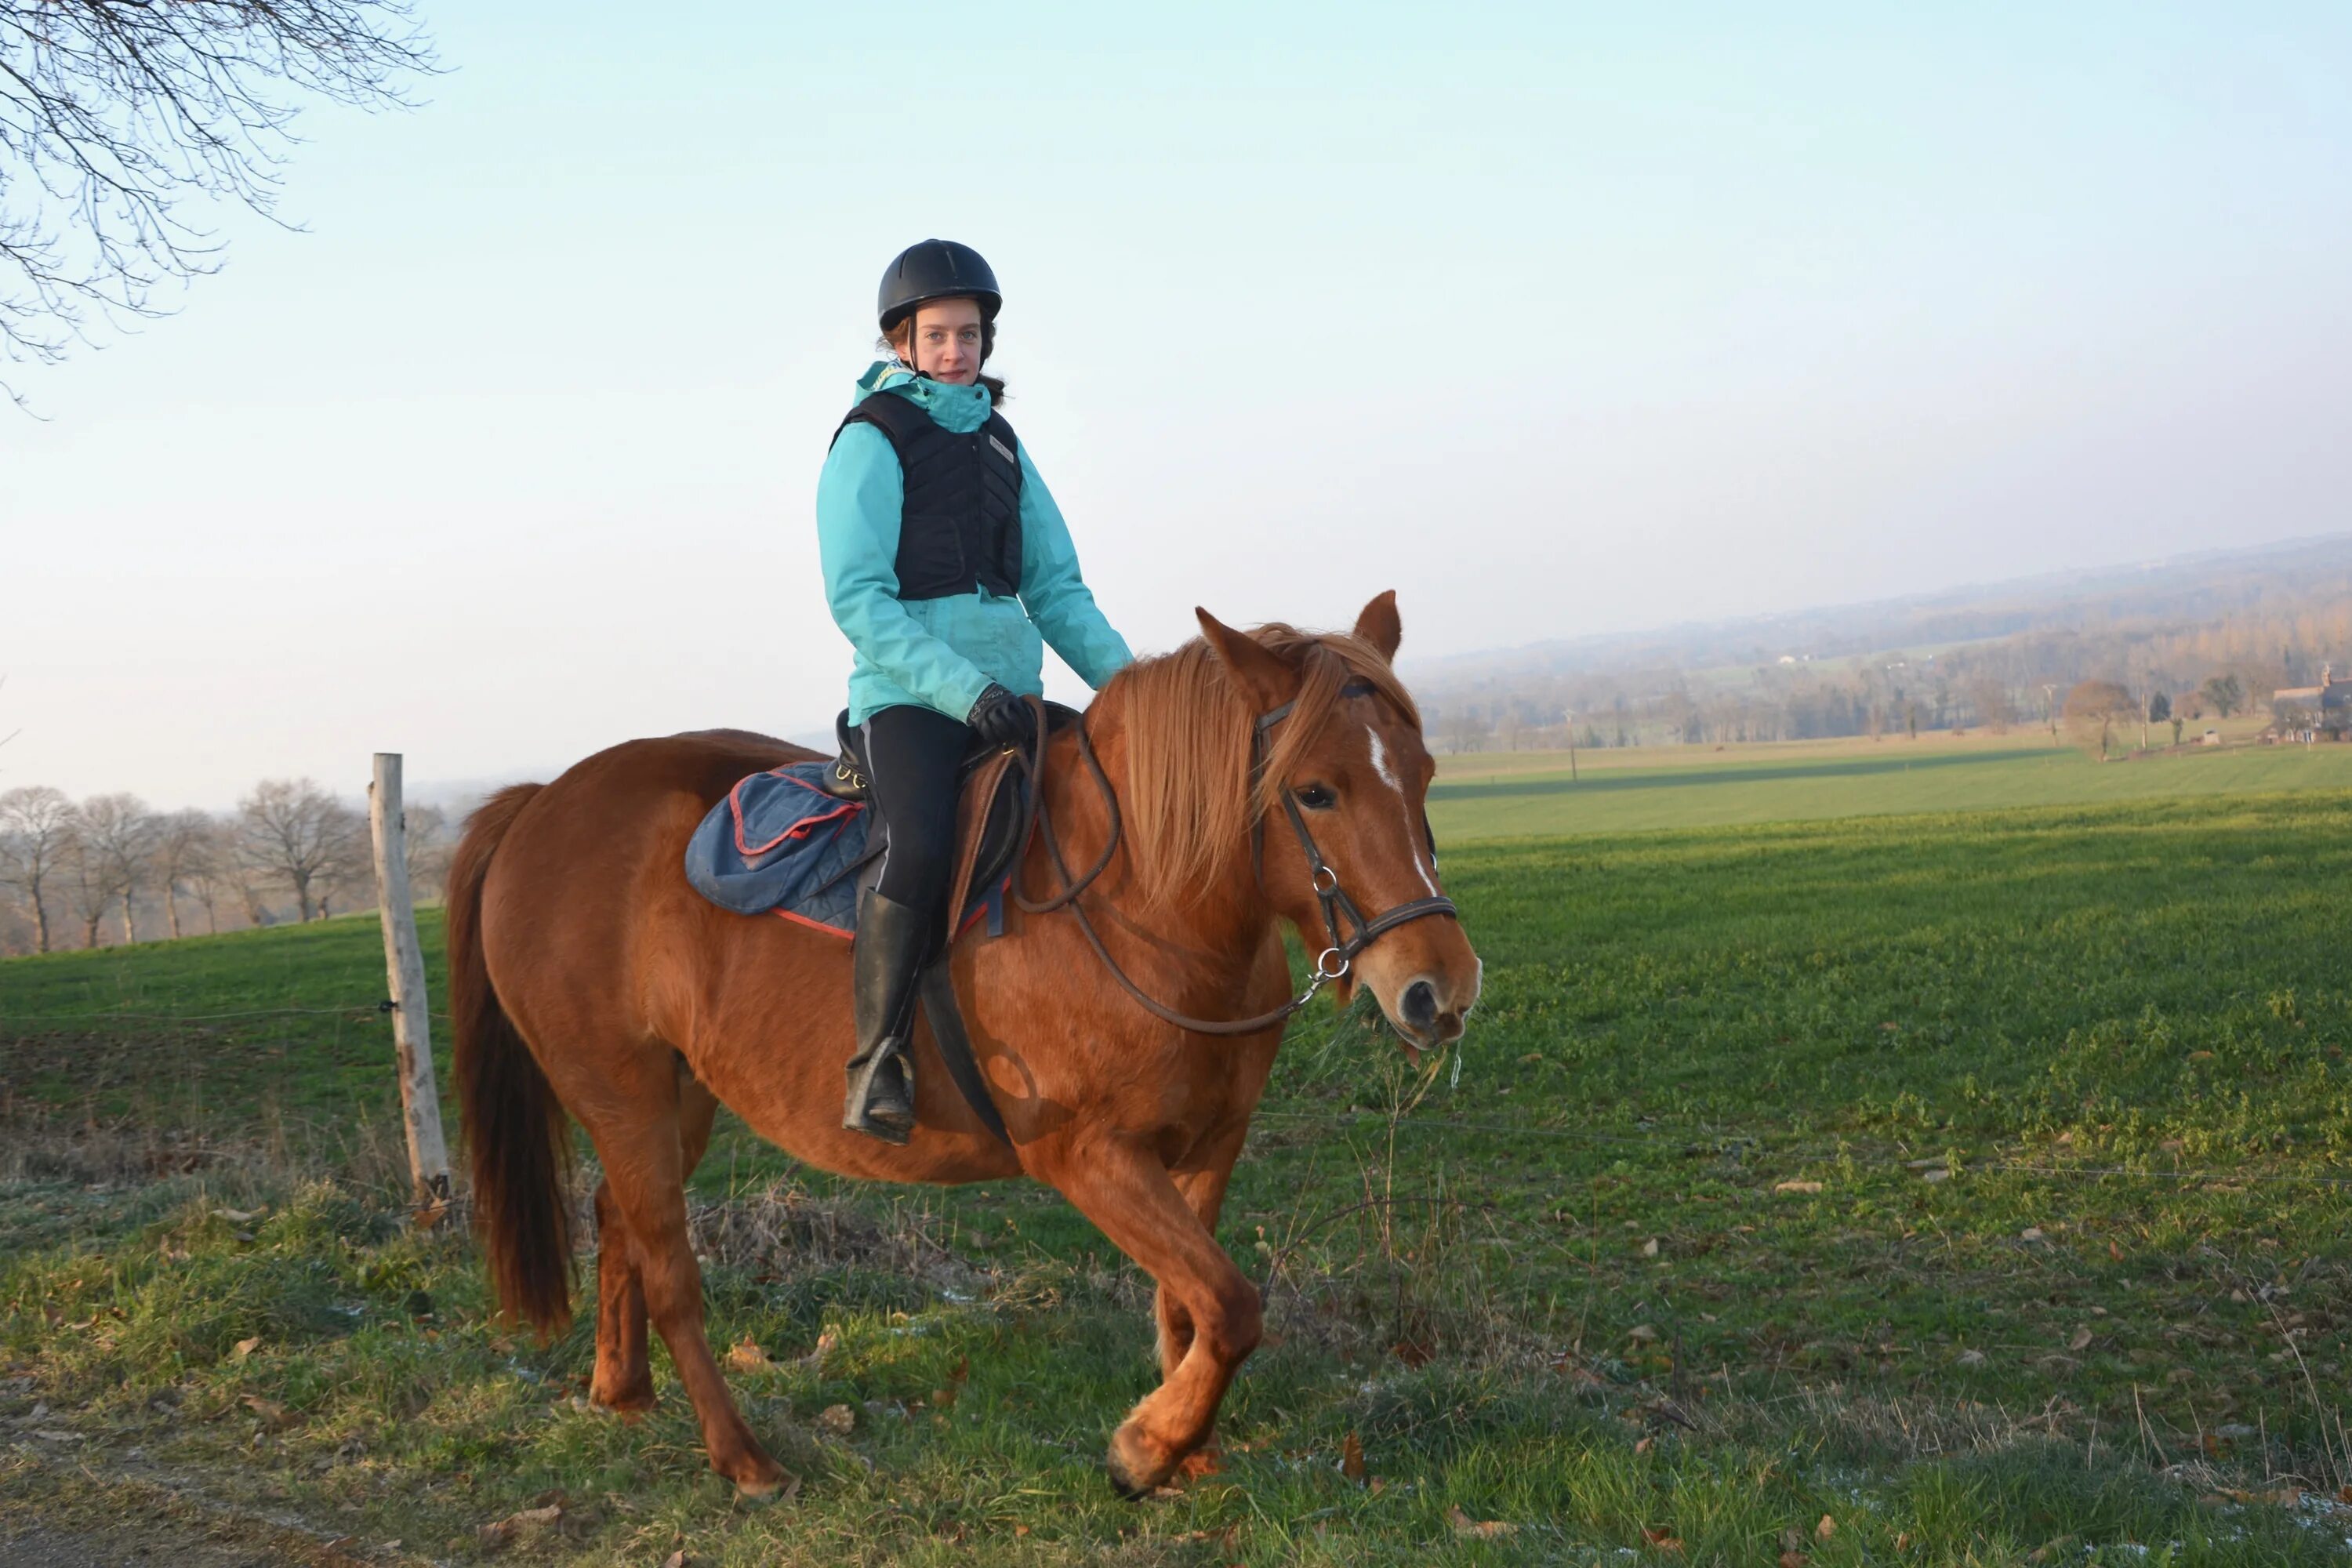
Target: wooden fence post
404	961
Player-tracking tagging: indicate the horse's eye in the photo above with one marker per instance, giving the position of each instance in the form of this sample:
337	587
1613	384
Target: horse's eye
1317	797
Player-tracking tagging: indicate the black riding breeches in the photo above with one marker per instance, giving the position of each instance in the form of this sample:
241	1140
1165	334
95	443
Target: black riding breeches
912	757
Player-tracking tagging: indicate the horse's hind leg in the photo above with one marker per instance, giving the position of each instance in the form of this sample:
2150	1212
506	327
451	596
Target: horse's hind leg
623	1381
638	1129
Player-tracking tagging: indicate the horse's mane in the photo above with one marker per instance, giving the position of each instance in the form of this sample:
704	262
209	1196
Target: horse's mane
1187	800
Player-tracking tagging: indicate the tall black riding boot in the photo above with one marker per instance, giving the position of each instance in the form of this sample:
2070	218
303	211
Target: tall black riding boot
887	959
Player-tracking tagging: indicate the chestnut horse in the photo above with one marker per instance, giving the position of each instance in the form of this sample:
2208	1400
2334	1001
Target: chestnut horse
587	979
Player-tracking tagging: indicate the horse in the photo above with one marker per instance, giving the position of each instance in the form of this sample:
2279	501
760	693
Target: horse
589	982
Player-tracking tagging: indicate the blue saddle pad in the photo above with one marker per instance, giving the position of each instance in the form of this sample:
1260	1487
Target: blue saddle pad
778	844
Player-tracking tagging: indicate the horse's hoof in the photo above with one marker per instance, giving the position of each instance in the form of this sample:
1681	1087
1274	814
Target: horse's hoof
767	1481
631	1407
1133	1477
1121	1483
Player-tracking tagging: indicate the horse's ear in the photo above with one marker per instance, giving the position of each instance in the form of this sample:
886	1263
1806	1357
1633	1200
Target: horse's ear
1263	677
1379	626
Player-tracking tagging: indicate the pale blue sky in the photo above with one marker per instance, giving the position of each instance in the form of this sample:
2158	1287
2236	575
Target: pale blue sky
1558	319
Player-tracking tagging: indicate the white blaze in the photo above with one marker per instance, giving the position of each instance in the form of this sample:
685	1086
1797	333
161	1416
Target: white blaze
1412	832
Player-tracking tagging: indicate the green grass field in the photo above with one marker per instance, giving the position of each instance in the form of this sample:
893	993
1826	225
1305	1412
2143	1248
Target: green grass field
1509	795
1971	1182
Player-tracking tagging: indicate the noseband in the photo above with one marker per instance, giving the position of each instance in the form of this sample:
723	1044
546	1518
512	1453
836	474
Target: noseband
1343	922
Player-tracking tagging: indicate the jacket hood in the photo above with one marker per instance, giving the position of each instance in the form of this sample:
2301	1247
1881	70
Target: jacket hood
962	409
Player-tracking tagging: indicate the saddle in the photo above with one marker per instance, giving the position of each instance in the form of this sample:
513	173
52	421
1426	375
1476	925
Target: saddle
992	803
805	841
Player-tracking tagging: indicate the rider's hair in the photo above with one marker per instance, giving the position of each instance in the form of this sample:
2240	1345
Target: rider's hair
899	341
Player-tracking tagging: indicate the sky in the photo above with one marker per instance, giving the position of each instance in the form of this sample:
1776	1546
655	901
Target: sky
1558	319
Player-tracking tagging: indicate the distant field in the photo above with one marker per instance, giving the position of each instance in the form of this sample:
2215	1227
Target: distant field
1512	795
1975	1181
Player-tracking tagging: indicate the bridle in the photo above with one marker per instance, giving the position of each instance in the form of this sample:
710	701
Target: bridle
1348	930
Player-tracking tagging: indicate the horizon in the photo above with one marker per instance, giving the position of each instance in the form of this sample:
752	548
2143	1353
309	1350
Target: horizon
510	456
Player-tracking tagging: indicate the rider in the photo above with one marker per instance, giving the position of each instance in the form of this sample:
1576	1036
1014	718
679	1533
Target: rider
945	558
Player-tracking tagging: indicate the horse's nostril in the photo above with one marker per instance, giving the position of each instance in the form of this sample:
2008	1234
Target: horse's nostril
1420	1004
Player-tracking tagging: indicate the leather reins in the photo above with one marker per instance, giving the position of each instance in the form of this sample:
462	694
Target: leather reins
1332	964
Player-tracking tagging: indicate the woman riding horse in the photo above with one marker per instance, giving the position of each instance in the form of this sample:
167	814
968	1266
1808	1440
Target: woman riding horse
945	557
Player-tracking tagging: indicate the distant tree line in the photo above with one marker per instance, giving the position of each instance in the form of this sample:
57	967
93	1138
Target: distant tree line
107	869
2215	669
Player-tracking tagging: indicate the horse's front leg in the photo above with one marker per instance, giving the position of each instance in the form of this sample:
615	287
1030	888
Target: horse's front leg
1202	1180
1121	1185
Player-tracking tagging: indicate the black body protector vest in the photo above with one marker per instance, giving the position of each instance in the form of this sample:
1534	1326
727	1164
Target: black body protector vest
961	521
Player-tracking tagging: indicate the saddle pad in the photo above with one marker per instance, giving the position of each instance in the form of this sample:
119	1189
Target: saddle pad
778	844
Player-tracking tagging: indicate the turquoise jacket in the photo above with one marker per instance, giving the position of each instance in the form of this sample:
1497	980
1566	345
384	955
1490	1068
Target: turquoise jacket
941	653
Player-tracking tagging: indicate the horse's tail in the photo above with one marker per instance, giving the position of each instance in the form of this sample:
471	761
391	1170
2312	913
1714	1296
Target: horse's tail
516	1133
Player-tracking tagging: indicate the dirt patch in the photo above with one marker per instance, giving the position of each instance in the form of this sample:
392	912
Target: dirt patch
49	1520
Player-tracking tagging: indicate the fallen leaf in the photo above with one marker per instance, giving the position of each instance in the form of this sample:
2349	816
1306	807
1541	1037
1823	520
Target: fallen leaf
1903	1541
246	1348
1792	1539
1827	1528
2048	1548
2114	1251
746	1356
1642	1332
1793	1560
1351	1457
1483	1528
2081	1341
836	1421
1644	1446
1413	1353
504	1533
1937	1173
240	1217
2030	1233
273	1414
675	1560
1797	1187
1663	1539
1971	1358
826	1343
1650	1247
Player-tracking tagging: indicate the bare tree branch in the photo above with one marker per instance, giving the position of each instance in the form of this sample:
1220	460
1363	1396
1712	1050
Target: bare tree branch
294	830
113	112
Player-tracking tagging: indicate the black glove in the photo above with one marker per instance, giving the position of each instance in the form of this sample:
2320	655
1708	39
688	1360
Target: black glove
1003	719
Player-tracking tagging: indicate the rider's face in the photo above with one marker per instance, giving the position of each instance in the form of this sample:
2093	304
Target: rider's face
946	341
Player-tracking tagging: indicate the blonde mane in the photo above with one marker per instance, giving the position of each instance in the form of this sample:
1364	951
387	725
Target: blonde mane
1186	799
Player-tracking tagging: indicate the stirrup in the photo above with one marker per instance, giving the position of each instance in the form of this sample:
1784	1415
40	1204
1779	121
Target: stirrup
881	1103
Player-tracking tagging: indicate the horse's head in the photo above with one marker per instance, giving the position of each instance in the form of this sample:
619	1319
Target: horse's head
1340	780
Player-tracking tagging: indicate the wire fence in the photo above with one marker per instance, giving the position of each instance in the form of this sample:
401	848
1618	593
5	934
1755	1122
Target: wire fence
1648	1136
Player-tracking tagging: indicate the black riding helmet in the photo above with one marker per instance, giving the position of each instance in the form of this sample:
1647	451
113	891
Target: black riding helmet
935	269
